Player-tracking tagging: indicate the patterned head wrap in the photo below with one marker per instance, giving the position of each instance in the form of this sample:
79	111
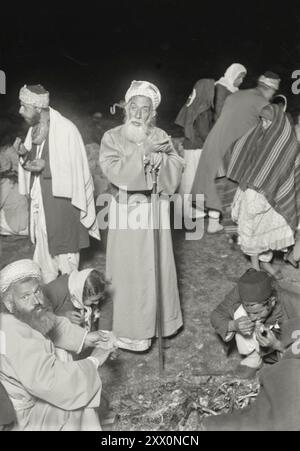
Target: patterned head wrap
17	271
35	95
146	89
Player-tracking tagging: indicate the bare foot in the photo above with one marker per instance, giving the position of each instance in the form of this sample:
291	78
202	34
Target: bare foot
277	274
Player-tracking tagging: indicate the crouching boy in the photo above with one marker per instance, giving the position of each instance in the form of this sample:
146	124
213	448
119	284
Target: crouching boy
252	315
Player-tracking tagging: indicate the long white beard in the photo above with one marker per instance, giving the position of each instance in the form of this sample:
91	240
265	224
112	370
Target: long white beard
136	134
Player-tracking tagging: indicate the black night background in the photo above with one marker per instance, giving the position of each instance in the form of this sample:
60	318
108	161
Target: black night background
87	53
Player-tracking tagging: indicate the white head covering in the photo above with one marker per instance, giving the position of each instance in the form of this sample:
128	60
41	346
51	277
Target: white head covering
76	283
231	75
270	82
36	96
146	89
17	271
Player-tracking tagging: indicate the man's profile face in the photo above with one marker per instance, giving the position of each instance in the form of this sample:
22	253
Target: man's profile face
30	114
28	296
140	110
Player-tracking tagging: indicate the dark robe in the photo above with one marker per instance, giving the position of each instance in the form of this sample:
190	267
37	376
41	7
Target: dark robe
197	118
240	114
57	292
65	232
221	94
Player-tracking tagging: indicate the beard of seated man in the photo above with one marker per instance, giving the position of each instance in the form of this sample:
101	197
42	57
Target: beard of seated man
40	317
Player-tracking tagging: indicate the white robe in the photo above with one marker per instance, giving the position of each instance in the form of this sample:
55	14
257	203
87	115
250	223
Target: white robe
130	251
47	394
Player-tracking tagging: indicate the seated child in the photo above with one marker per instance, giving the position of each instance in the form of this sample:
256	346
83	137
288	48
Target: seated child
83	297
78	297
252	314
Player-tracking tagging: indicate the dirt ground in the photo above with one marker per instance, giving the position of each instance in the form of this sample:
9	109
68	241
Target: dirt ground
196	381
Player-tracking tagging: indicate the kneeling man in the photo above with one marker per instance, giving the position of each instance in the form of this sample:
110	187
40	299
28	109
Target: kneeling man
47	394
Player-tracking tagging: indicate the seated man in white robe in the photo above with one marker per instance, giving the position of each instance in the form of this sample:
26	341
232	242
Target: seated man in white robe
46	393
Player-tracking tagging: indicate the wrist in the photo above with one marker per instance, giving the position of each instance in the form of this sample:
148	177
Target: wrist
232	326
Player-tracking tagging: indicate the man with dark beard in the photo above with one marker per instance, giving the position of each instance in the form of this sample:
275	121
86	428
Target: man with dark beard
54	172
128	154
46	393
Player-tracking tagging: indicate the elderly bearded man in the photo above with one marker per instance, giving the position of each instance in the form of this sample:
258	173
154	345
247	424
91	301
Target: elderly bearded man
126	156
46	393
61	187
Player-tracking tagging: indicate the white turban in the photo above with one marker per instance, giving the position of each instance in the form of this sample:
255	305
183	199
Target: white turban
36	96
146	89
17	271
273	83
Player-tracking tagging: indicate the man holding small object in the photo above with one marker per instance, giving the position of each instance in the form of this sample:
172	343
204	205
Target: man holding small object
252	314
54	172
128	155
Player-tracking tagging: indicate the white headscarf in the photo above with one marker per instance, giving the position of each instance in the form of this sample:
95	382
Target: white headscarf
76	283
230	77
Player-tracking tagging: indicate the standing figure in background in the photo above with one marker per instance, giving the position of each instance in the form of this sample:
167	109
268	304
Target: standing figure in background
127	155
266	165
197	118
229	84
239	115
54	171
13	205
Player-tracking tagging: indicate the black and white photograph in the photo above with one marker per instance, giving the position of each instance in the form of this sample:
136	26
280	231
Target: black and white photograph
150	218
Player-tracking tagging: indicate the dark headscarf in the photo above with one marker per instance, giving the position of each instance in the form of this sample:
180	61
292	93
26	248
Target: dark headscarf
200	100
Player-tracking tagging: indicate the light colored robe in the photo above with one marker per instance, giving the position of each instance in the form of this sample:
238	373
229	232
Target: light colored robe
130	253
48	394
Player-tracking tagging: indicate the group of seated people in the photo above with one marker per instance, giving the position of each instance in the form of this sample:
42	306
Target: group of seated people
48	378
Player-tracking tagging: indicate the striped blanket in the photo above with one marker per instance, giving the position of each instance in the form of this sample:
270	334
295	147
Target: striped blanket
268	161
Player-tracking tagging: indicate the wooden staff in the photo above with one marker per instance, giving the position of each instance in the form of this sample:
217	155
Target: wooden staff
157	270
